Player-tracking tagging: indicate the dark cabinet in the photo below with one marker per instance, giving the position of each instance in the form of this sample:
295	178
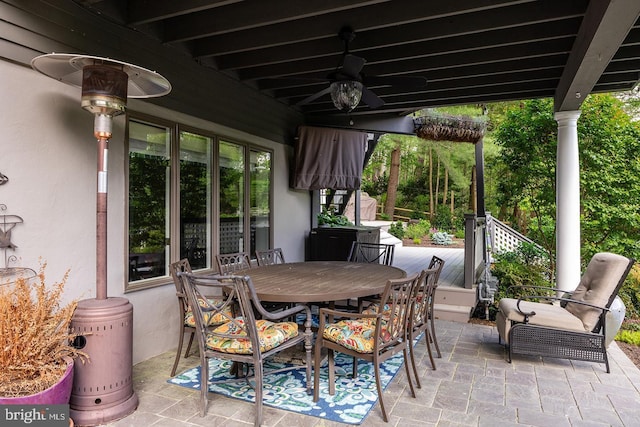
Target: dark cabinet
334	243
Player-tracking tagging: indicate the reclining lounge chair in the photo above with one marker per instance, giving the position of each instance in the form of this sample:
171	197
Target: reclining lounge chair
566	326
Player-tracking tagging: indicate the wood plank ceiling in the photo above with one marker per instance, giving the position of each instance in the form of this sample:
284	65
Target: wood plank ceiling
470	51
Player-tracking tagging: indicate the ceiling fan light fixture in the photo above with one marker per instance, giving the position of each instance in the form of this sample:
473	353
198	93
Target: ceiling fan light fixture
346	94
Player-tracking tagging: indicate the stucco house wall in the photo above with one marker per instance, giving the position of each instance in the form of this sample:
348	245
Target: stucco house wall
48	152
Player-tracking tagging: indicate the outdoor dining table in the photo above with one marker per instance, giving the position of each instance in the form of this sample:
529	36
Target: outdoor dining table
320	281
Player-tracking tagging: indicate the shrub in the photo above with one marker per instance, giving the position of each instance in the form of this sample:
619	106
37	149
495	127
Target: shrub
521	270
417	230
384	216
630	293
442	218
396	229
630	337
442	238
377	186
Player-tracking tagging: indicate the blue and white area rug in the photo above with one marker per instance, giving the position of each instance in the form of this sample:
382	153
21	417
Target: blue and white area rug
351	403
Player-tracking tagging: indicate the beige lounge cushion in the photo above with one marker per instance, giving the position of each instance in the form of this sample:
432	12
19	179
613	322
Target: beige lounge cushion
598	282
546	314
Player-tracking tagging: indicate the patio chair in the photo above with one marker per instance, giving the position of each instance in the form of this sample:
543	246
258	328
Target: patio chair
419	321
437	264
379	253
243	339
232	263
270	257
573	327
187	322
374	336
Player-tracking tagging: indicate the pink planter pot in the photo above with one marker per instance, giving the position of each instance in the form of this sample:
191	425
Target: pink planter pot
57	394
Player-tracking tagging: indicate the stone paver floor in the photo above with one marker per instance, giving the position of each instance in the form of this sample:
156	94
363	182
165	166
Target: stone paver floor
473	385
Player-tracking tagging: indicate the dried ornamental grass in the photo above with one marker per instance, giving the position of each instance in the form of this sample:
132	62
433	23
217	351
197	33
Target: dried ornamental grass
35	335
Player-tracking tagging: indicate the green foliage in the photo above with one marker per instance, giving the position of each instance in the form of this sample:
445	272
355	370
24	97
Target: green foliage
521	269
630	337
375	186
384	216
630	294
457	220
417	215
417	230
527	164
442	219
396	229
329	218
609	174
459	233
631	325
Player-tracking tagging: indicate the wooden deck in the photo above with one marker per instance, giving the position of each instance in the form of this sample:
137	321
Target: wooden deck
452	301
414	259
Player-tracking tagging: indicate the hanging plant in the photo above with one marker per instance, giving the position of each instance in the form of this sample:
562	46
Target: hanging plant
450	128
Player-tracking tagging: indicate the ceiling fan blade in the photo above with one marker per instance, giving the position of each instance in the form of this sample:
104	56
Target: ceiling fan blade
406	82
352	65
371	99
314	96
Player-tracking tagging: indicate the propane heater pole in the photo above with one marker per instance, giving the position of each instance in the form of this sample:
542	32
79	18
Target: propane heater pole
101	218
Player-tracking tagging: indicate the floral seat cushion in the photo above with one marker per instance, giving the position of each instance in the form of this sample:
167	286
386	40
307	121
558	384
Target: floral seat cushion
355	334
374	308
270	335
215	319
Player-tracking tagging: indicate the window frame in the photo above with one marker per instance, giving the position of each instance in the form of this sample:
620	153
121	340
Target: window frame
175	128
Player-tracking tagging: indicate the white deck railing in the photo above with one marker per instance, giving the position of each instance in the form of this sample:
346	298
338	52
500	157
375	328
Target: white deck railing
483	237
503	238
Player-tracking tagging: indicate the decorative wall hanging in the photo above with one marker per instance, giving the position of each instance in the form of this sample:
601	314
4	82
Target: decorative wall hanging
8	273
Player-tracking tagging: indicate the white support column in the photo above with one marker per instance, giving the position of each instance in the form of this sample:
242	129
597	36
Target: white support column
567	202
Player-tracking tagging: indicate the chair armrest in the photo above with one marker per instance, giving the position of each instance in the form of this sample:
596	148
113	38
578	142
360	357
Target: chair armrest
561	299
278	315
324	312
565	300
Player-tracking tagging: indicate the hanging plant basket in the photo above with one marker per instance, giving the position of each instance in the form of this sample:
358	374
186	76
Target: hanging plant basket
450	128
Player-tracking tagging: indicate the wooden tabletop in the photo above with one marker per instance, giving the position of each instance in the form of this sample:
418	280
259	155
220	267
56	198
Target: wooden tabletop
319	281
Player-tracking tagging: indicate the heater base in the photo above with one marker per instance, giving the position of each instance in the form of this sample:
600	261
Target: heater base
103	387
93	417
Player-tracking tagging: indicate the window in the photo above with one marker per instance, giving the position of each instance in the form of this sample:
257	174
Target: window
179	201
260	200
149	157
195	199
231	198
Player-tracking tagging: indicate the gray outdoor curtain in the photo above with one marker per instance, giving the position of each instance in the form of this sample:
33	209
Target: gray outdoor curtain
328	158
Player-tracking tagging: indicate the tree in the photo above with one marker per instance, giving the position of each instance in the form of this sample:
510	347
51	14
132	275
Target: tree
609	143
394	174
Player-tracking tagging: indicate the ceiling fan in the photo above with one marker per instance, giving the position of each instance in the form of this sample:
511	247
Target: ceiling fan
348	85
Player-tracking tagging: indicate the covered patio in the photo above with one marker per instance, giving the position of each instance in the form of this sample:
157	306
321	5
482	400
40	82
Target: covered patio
472	385
249	74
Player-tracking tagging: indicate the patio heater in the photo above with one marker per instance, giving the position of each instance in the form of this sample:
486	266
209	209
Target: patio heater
103	388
